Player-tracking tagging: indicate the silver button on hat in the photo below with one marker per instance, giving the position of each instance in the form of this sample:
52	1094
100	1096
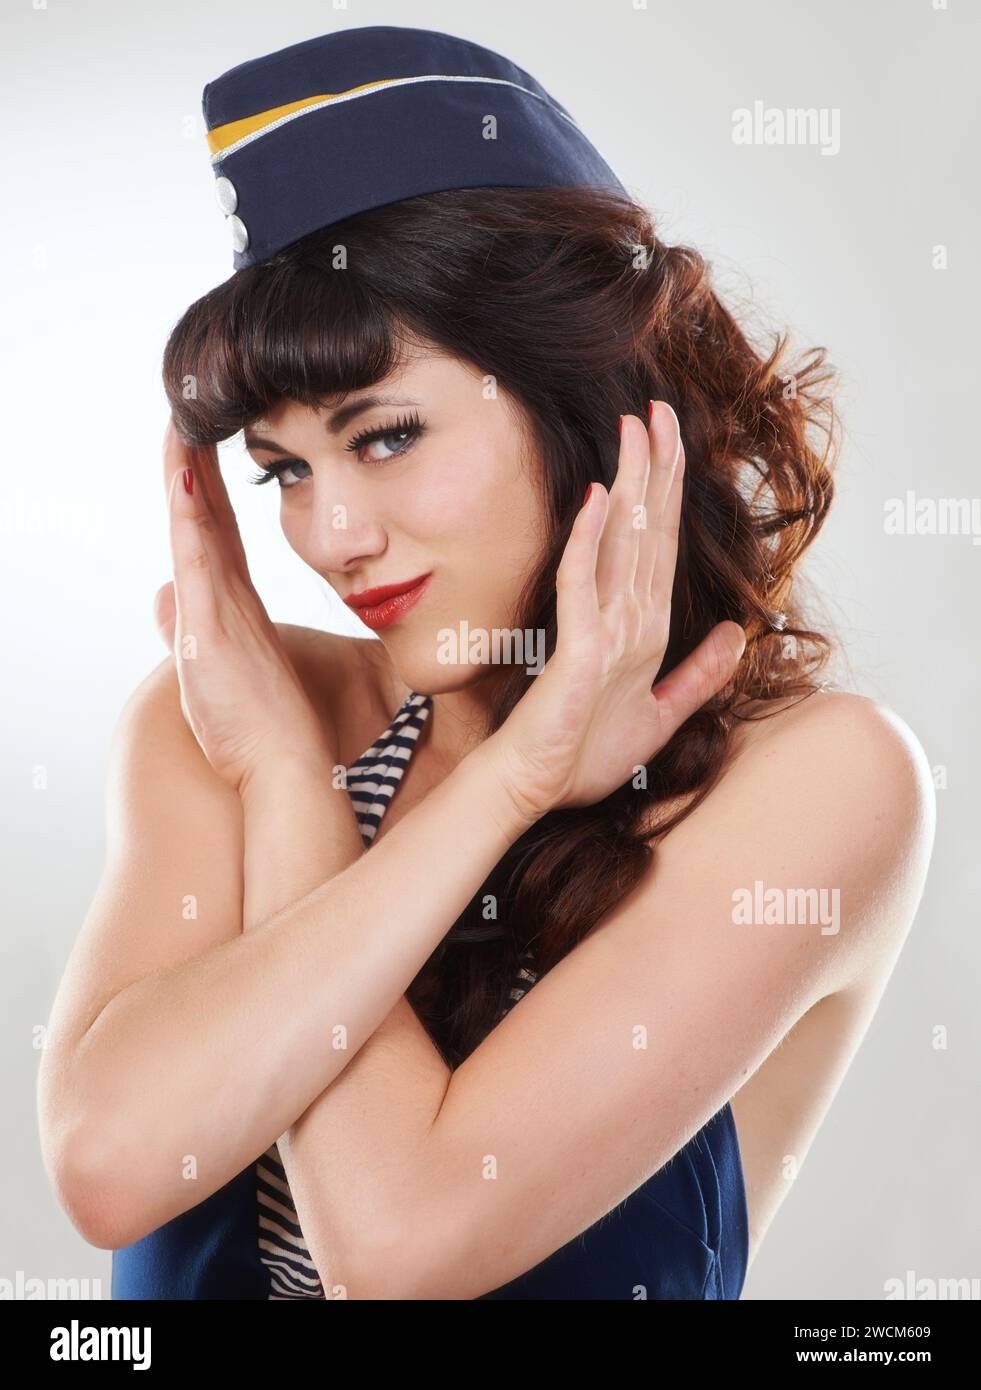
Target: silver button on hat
239	232
226	194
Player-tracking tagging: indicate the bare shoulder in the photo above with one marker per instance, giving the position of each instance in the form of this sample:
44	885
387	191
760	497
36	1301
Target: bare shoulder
831	791
329	661
326	652
350	678
851	751
865	741
848	753
851	746
338	673
326	662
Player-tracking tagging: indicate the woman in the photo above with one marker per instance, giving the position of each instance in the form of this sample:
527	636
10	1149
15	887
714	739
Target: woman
588	749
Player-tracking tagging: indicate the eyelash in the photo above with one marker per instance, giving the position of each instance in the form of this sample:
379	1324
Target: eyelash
412	426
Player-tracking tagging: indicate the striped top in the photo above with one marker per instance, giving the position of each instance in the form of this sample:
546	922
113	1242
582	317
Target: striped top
371	784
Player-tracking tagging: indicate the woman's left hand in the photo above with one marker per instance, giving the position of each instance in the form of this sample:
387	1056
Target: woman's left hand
595	713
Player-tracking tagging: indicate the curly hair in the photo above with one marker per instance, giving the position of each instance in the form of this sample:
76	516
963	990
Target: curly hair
568	298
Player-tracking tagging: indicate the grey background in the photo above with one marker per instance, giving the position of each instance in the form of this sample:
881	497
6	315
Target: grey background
110	230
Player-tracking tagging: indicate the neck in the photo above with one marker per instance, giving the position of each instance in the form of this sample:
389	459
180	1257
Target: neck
458	719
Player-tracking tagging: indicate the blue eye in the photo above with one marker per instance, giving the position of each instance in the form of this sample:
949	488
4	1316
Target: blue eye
407	430
277	470
404	433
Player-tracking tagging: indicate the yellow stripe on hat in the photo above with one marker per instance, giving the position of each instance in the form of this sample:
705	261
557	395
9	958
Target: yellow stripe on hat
224	135
226	139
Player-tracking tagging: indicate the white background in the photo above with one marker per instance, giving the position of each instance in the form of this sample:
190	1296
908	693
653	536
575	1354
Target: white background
110	229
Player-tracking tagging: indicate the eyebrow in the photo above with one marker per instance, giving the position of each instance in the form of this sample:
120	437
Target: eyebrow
339	418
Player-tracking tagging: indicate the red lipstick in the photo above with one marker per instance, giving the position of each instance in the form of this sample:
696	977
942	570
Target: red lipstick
384	605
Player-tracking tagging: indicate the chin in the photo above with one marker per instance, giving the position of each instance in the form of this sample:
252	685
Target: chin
424	673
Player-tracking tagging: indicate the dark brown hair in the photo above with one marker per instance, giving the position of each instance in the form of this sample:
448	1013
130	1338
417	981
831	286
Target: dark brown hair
568	298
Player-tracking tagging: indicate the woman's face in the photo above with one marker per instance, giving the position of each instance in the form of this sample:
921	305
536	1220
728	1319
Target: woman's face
445	489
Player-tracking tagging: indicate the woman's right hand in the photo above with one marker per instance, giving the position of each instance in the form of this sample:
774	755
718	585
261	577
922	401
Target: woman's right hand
240	694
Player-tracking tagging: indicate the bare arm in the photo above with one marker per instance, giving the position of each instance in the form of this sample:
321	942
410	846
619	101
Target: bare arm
211	1059
217	1055
547	1126
333	1141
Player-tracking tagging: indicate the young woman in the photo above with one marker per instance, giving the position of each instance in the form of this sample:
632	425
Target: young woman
637	877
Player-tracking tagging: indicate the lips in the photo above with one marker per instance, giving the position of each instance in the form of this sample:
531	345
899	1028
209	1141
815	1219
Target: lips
384	605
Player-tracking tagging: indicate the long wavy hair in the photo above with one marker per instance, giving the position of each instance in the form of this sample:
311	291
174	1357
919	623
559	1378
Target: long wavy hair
577	309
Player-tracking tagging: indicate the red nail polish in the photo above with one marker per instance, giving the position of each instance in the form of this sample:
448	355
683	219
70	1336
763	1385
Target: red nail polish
586	498
621	426
188	480
650	413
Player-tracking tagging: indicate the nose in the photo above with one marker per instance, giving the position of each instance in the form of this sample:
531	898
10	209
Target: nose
342	531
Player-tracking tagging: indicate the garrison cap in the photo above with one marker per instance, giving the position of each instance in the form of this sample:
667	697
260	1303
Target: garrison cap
315	132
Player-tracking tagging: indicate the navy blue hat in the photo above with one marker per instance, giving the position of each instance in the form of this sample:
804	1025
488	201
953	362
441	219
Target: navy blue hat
332	126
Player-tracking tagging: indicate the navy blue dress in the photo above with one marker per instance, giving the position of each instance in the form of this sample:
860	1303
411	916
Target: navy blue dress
683	1234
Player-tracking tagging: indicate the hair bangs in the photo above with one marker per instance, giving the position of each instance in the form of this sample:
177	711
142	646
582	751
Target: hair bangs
284	330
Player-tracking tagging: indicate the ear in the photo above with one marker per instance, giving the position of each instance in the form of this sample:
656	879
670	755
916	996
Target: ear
165	612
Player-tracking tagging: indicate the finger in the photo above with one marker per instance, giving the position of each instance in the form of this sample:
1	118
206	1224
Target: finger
195	595
695	680
227	548
666	540
165	613
577	604
620	542
665	444
204	460
174	456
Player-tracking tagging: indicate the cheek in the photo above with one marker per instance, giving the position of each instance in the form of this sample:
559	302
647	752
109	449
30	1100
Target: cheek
480	498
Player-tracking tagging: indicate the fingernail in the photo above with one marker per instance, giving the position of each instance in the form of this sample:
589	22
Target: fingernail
588	491
650	413
621	426
188	476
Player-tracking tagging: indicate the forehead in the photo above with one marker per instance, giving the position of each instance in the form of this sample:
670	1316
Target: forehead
424	375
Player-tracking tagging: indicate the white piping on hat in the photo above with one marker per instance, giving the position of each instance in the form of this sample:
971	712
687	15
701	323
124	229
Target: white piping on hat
219	155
